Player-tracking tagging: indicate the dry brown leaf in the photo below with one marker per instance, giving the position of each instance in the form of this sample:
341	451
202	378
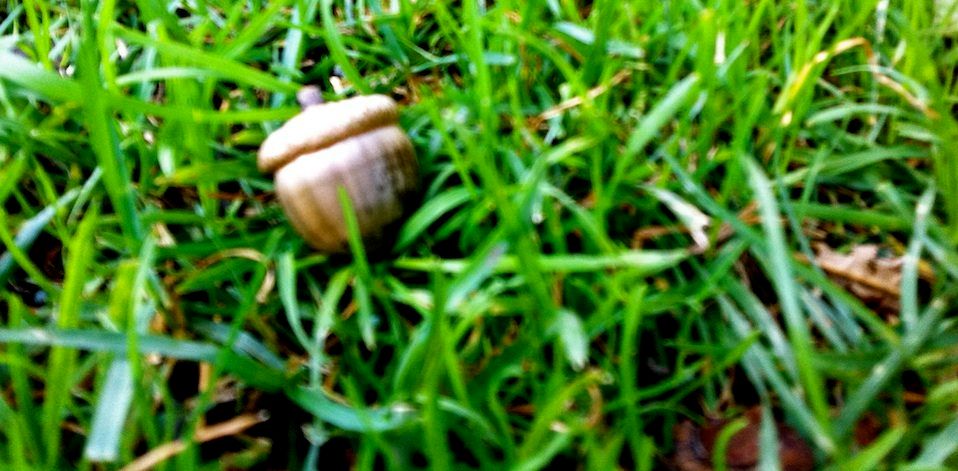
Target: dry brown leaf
863	270
641	236
695	444
866	273
867	429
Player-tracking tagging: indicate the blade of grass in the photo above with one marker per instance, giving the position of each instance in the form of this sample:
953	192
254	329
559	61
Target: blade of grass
24	426
761	366
909	270
337	50
435	429
350	418
364	277
538	437
782	278
884	371
103	442
62	362
872	456
649	127
645	262
768	441
207	60
103	136
114	342
938	448
293	46
286	278
719	453
46	83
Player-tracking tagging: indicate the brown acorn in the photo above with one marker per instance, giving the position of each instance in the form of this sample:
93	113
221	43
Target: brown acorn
355	144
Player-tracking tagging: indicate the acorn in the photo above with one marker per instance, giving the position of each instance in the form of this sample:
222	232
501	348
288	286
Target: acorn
355	144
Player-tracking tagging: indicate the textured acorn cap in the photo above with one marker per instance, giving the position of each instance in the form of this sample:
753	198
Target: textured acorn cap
322	125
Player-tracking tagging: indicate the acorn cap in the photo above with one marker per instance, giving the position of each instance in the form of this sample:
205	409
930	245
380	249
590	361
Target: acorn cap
322	125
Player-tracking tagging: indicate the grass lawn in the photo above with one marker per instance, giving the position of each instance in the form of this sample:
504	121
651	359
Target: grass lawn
651	234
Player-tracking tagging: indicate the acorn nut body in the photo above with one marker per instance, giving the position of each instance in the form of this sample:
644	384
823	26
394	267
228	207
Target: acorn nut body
356	144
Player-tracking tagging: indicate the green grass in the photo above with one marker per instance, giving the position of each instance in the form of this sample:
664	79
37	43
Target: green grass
152	287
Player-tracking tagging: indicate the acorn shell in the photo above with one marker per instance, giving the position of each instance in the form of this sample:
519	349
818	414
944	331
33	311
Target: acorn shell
355	144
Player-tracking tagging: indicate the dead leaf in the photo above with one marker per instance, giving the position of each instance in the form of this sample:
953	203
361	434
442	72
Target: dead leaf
867	429
695	444
864	272
694	220
746	216
867	273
